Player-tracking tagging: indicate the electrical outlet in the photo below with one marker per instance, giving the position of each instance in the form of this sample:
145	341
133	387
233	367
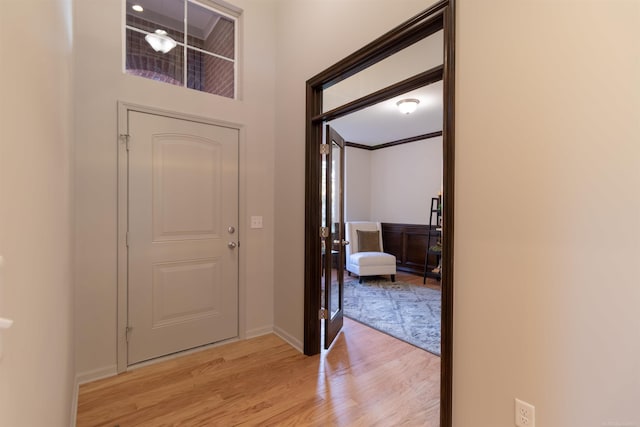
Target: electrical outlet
525	414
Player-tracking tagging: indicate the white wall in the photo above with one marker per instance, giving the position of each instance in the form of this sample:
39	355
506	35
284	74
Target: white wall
357	184
404	178
99	84
393	184
547	296
37	366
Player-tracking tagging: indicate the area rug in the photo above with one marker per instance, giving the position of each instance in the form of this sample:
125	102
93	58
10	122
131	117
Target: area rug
408	312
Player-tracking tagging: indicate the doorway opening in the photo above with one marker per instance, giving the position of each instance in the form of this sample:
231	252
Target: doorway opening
392	175
439	17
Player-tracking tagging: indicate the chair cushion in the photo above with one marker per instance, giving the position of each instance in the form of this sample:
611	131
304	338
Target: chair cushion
373	258
368	241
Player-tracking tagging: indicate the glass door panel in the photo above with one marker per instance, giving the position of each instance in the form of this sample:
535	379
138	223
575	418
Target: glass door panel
334	239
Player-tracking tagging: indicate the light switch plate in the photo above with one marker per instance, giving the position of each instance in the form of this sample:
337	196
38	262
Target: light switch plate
256	222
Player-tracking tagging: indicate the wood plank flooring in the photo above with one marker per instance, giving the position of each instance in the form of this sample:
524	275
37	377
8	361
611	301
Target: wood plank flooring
367	378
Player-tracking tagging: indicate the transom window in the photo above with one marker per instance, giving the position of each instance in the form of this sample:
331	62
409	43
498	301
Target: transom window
183	42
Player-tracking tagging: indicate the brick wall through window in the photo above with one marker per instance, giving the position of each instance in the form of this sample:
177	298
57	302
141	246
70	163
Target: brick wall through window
204	72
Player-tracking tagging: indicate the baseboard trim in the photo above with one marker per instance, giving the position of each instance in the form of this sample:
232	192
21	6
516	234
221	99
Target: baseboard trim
290	339
96	374
258	332
74	404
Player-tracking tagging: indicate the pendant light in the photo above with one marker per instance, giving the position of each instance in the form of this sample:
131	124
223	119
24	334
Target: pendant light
160	41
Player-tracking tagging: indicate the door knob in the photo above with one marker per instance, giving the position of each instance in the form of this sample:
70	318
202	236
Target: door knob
232	245
343	242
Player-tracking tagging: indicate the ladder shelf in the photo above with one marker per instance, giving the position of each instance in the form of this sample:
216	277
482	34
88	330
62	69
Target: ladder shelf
435	249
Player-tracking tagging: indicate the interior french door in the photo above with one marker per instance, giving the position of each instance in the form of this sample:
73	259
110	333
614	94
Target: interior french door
333	241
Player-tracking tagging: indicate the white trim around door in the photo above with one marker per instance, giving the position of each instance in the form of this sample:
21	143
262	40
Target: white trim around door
123	217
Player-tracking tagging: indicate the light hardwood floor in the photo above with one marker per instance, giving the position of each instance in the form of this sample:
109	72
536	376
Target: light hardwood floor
367	378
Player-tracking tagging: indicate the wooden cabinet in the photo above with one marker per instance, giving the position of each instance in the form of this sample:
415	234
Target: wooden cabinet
409	243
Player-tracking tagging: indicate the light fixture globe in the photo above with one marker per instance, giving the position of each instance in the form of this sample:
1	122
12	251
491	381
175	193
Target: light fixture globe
160	41
408	106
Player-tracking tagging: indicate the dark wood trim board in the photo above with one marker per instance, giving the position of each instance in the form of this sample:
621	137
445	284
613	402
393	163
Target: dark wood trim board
394	143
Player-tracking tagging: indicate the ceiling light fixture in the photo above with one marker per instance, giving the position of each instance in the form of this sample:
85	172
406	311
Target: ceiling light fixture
137	8
407	106
160	41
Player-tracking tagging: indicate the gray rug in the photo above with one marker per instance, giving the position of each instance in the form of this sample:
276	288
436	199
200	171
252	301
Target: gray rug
408	312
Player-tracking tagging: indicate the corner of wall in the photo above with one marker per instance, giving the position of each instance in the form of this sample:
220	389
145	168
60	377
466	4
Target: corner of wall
96	374
74	404
290	339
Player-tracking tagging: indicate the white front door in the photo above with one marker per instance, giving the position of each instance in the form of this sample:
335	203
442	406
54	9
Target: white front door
183	230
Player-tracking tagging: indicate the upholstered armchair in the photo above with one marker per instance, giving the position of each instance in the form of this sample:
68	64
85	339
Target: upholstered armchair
365	254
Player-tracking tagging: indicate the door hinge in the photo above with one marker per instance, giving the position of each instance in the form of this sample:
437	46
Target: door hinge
322	314
324	148
127	332
125	139
324	231
126	238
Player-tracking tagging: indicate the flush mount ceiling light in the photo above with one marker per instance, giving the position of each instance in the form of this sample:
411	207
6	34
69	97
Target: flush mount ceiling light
137	8
160	41
407	106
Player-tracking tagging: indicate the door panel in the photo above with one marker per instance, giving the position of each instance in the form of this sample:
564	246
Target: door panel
335	241
183	197
186	163
184	291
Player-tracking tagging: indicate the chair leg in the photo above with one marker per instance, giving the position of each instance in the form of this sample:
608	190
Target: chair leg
393	277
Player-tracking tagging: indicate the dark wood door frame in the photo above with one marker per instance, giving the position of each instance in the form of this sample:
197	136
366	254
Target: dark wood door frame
441	16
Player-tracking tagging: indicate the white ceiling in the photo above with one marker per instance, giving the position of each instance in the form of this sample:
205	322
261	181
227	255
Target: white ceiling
383	122
170	13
